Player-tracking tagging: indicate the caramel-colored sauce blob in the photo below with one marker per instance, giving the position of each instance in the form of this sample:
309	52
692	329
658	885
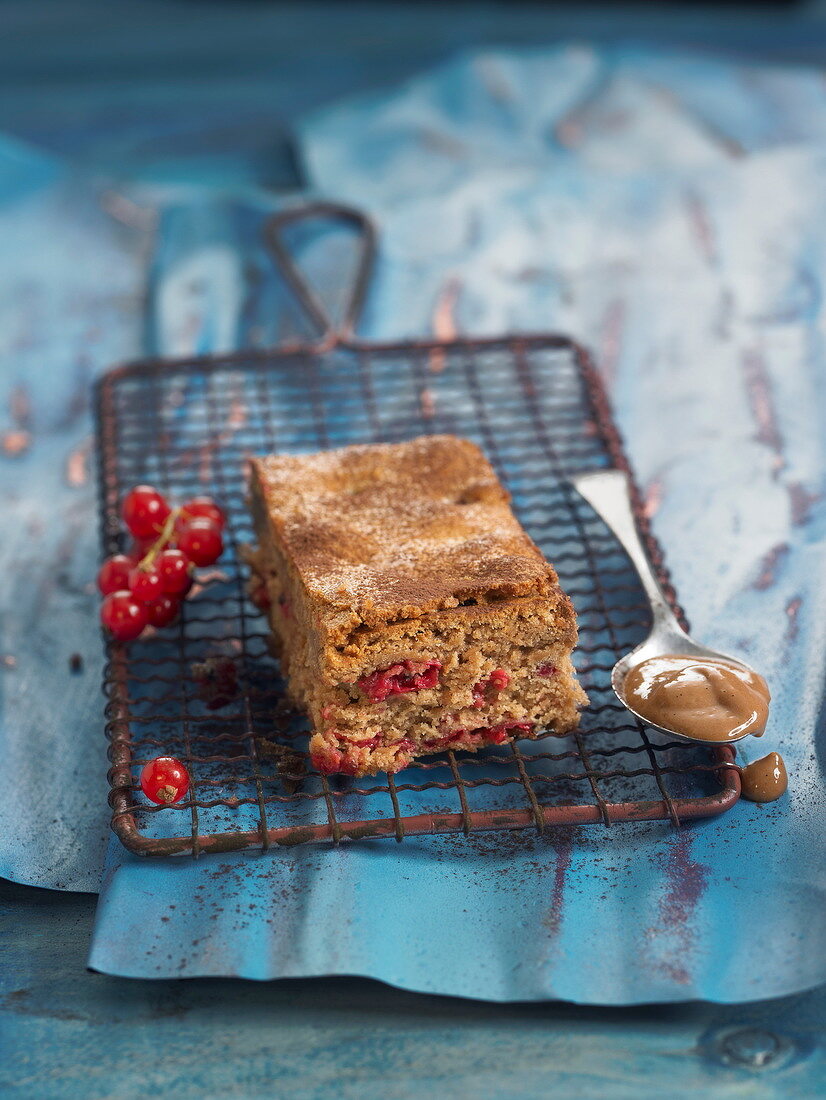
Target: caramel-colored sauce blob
765	779
700	697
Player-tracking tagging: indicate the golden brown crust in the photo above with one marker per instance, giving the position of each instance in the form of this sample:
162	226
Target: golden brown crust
388	532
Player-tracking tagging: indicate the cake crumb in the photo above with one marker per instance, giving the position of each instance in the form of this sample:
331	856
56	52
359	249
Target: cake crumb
289	763
217	680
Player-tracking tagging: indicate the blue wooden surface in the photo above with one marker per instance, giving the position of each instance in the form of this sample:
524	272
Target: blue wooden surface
135	99
79	1035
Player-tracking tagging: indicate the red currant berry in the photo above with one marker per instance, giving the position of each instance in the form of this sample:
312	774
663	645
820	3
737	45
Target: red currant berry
201	541
114	574
164	780
173	566
144	511
145	584
123	616
206	508
163	611
140	548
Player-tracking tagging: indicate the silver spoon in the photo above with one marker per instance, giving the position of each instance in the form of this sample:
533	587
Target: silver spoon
609	495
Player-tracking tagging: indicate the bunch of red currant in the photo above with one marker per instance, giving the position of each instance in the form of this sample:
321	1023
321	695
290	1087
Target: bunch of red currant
145	587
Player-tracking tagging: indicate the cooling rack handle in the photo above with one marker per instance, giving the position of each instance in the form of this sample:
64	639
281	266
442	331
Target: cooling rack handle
304	293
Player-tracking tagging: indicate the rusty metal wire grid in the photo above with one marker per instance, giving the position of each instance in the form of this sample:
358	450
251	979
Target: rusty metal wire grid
536	406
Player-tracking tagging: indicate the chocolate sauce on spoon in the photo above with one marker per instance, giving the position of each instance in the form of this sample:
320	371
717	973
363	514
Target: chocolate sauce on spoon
709	700
687	690
706	698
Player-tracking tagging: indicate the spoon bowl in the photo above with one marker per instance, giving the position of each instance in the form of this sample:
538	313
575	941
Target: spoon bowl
608	493
662	643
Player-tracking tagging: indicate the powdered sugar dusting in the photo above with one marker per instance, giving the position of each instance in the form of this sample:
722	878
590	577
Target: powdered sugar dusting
386	527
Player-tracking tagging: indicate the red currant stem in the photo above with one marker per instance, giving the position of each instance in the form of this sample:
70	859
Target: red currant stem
160	544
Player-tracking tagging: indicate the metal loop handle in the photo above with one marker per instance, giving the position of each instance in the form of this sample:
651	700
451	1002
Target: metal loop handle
304	293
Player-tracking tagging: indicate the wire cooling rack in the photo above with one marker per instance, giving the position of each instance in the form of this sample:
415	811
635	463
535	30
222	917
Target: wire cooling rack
536	406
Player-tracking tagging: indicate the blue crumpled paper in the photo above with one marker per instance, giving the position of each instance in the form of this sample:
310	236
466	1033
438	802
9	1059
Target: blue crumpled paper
667	212
72	272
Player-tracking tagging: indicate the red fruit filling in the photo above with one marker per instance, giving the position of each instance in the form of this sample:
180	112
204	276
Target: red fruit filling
326	760
260	596
487	690
457	735
487	735
367	743
548	669
330	761
400	679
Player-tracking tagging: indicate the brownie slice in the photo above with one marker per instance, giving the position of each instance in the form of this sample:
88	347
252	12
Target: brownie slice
411	612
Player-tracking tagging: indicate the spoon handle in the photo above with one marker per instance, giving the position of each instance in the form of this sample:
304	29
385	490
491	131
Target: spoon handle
608	493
